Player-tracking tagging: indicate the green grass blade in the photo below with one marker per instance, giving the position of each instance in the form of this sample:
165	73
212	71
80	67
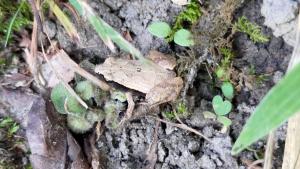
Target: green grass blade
12	23
64	20
278	105
105	31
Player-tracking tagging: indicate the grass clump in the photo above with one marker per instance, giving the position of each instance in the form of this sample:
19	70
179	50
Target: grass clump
13	17
251	29
9	125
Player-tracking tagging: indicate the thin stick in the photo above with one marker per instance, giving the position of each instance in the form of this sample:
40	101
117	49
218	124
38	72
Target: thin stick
66	85
269	151
184	127
76	68
253	165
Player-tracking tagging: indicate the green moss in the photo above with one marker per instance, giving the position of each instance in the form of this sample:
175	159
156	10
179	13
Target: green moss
251	29
186	18
223	70
181	111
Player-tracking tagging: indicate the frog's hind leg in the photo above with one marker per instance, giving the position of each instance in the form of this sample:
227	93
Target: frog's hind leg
129	110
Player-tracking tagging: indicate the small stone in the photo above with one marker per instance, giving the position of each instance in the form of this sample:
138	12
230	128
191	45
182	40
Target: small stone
277	76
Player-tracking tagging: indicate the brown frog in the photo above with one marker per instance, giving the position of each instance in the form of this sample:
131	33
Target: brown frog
155	78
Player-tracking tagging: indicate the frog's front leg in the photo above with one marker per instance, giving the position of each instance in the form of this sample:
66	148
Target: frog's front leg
165	91
130	108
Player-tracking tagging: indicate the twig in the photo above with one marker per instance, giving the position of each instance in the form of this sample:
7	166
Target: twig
269	151
190	77
253	165
66	85
151	152
184	127
76	68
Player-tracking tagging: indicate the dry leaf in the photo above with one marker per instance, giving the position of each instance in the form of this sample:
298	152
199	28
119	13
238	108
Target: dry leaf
61	67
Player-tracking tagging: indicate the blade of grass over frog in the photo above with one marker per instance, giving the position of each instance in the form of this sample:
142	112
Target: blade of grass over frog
9	30
276	107
105	31
64	20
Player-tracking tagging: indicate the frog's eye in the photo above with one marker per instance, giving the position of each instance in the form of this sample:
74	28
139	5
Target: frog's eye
138	69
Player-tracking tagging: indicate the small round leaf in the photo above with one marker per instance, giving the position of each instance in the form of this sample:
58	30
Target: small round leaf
159	29
227	90
224	120
183	37
221	107
58	96
85	89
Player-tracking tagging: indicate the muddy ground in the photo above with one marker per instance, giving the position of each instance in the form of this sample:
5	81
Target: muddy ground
177	148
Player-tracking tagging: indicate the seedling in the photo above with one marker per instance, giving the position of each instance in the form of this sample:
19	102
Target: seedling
220	106
160	29
64	102
223	71
223	107
182	37
10	125
179	32
251	29
227	90
79	119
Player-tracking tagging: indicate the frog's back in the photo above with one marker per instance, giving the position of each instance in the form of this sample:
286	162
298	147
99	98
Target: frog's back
133	74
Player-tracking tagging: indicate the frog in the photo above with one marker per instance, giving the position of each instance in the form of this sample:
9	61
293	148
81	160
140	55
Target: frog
154	77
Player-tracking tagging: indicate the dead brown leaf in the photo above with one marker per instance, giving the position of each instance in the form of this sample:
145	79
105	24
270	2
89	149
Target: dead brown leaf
51	145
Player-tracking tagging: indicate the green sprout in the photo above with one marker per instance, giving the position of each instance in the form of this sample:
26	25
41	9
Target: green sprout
220	106
227	90
179	32
223	71
181	111
182	37
251	29
223	107
11	126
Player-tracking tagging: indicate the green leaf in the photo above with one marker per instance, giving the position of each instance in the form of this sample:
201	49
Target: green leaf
12	23
183	37
79	124
13	129
85	89
58	96
224	120
221	107
281	102
61	97
209	115
7	121
227	90
64	20
159	29
105	31
74	107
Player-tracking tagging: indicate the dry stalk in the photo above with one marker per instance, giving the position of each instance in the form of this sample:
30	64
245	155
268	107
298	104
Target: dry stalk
66	85
184	127
292	142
